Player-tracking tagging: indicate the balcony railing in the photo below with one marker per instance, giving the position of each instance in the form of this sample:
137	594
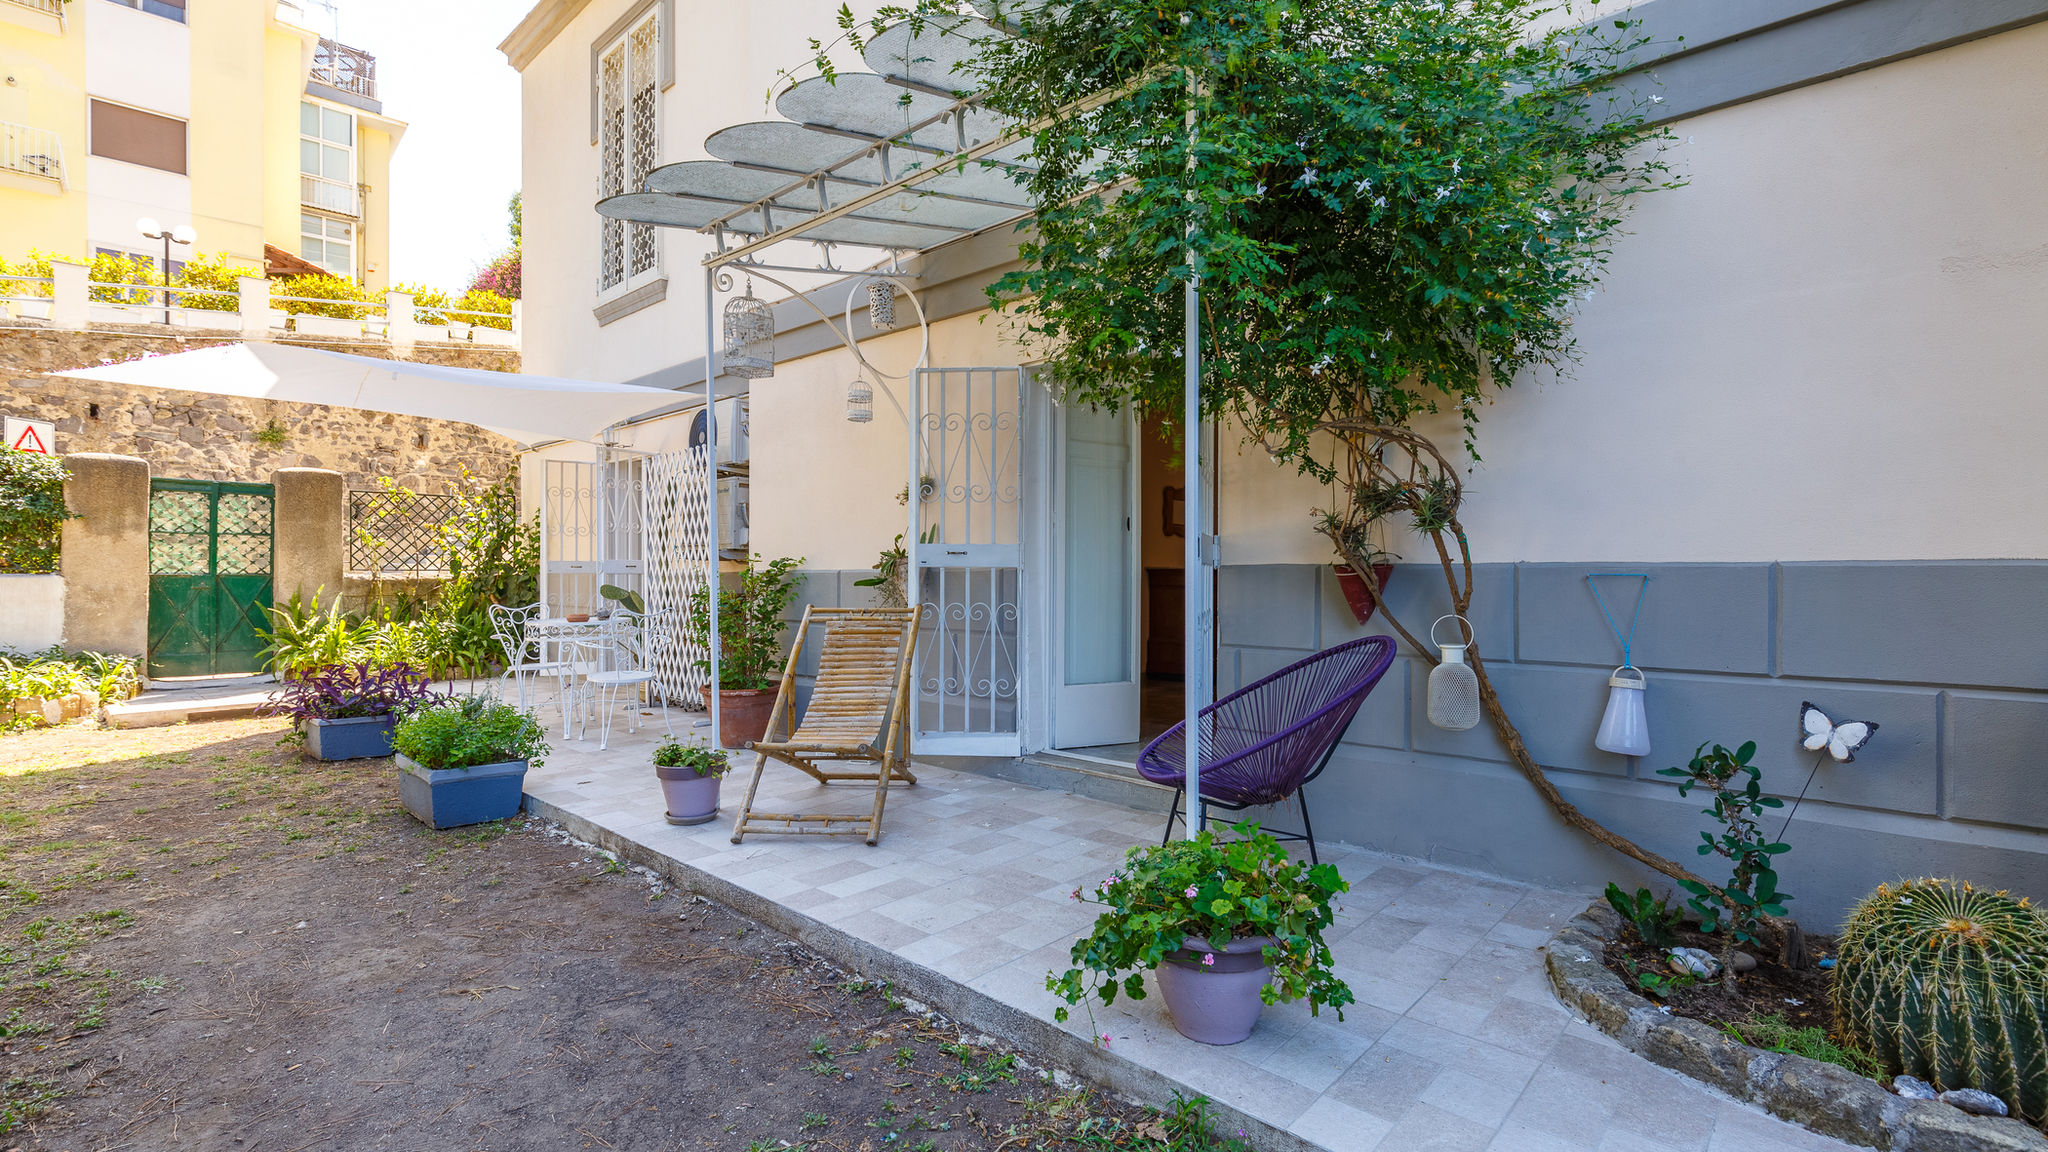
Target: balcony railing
31	152
346	68
50	7
335	196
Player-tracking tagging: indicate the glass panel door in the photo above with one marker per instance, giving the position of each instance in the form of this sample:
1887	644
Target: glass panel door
1096	697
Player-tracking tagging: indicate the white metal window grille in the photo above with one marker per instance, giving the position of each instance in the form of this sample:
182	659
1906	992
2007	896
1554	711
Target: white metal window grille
969	559
628	90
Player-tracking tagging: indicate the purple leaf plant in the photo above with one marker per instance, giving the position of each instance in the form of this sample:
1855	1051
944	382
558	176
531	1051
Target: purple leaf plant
343	691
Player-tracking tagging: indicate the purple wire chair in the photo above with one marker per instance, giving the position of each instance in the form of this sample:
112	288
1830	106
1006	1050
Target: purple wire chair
1264	742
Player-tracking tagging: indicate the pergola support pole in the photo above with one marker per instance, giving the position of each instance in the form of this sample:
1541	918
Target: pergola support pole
1195	681
711	588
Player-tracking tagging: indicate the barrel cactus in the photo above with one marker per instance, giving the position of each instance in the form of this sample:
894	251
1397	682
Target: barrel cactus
1948	982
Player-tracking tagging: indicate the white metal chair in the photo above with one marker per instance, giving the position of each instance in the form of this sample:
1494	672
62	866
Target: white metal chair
526	655
620	661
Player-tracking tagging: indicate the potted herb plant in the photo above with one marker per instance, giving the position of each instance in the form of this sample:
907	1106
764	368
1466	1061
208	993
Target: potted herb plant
1228	926
749	647
689	775
347	711
463	759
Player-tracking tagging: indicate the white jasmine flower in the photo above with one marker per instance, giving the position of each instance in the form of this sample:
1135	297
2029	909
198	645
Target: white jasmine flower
1309	176
1443	193
1379	201
1653	99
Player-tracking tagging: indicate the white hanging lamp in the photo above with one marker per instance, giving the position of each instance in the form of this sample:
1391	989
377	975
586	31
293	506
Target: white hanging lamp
881	305
749	336
1625	727
1453	686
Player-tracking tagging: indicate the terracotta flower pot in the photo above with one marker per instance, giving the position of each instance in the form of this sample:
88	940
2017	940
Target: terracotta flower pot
1356	593
742	714
692	799
1216	1002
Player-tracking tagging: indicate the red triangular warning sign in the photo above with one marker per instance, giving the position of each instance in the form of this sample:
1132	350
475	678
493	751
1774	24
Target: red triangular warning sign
30	441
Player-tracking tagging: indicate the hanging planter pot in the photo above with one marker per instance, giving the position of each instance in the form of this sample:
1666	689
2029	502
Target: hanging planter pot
1356	593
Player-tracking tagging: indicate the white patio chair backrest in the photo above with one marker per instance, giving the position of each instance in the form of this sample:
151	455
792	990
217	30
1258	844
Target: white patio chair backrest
634	638
510	626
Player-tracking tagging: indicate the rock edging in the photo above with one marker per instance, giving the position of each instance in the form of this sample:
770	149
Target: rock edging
1823	1097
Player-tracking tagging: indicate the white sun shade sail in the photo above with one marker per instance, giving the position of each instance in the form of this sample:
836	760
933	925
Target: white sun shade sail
527	409
876	159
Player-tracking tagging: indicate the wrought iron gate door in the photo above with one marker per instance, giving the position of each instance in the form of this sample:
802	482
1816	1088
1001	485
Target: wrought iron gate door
968	557
209	576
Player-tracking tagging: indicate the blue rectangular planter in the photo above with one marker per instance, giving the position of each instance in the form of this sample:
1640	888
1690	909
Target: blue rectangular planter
350	739
452	797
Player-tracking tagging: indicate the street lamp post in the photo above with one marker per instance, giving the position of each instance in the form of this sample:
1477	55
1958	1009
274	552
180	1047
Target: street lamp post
182	234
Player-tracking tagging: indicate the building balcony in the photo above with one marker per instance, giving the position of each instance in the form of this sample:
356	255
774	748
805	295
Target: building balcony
336	196
33	153
41	15
350	70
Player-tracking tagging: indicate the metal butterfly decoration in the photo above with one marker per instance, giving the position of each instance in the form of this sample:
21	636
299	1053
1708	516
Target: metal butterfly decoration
1819	734
1841	740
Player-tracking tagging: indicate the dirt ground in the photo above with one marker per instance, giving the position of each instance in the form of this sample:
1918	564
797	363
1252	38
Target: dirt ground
207	942
1798	995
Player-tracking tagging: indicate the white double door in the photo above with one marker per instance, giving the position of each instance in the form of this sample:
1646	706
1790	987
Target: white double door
1095	577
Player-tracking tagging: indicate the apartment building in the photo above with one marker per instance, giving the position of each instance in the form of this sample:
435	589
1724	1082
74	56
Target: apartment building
235	119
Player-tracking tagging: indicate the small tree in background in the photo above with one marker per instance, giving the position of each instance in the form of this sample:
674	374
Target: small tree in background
32	511
501	276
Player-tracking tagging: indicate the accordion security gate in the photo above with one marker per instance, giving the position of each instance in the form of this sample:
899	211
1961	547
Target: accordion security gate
637	521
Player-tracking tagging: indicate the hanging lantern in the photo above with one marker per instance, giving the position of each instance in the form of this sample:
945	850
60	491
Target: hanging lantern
860	402
881	305
1624	728
749	337
1453	686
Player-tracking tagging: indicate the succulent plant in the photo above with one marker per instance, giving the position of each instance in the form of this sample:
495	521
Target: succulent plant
1949	982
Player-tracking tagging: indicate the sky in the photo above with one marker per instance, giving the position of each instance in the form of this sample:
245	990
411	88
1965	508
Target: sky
440	71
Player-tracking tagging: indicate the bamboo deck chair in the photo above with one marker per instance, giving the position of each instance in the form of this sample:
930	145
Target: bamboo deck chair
859	711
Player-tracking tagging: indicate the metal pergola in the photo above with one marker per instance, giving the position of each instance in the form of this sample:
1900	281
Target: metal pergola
900	159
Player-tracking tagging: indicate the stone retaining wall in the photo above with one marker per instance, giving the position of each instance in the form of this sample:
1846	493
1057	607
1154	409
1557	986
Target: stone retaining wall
1824	1097
200	437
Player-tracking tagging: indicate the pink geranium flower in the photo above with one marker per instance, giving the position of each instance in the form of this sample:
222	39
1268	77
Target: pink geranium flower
1209	958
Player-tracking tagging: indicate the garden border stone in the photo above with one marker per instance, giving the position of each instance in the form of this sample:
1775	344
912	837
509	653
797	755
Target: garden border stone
1826	1098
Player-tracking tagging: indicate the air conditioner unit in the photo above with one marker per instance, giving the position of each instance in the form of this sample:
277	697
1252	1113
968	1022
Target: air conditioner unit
732	430
732	514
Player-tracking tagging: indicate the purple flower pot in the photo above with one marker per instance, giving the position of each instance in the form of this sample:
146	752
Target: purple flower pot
692	799
1218	1002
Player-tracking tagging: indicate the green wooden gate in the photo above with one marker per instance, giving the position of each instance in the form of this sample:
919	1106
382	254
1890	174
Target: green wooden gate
209	576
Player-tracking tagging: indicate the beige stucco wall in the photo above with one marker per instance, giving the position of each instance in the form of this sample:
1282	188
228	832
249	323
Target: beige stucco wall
1827	346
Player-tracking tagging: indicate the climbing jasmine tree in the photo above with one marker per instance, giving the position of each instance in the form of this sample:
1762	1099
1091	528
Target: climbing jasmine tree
1393	207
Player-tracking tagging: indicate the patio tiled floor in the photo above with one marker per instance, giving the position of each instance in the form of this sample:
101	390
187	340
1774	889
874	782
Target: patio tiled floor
1456	1042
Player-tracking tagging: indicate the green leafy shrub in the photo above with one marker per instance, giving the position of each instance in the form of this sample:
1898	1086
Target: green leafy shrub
32	511
1751	893
55	672
749	625
1949	982
303	638
1654	921
113	274
485	300
428	304
468	731
706	761
337	296
36	266
1199	894
219	273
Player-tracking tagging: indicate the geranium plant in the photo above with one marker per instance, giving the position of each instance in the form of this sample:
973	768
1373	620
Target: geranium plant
469	731
344	691
1200	894
703	760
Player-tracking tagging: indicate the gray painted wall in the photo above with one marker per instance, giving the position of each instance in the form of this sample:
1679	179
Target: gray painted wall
1950	659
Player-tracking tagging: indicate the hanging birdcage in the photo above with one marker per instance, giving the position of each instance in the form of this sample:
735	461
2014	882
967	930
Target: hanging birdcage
881	305
749	337
860	402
